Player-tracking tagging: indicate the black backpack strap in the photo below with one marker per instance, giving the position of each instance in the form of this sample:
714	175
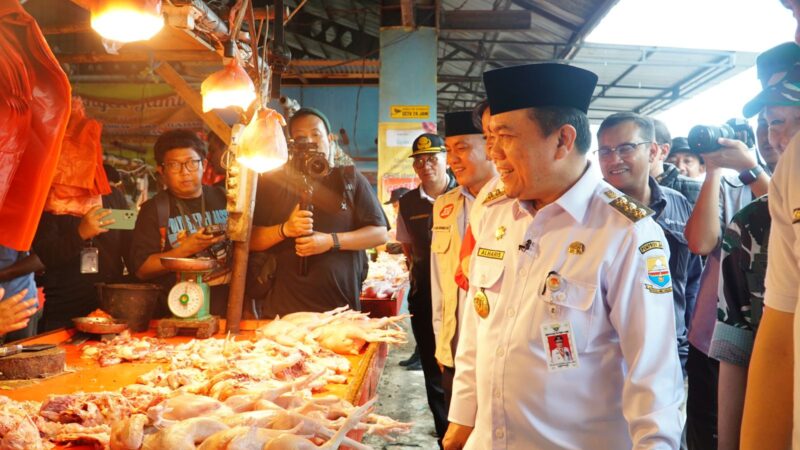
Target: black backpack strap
162	212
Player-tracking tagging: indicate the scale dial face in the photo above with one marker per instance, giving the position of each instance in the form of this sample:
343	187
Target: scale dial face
185	299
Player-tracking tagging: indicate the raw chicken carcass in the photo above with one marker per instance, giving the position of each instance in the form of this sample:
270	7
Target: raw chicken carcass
184	435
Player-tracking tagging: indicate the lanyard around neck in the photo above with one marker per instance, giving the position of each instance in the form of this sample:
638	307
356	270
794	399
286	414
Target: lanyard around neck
188	217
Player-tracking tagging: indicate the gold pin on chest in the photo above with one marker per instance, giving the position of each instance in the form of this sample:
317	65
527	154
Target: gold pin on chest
481	303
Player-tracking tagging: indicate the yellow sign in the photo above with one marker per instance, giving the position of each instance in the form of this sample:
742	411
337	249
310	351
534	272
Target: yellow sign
410	112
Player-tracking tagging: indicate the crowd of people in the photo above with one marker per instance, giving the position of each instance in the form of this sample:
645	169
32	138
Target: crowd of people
554	304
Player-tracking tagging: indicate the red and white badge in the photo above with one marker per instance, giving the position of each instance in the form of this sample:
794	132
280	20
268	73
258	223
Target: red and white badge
446	211
559	347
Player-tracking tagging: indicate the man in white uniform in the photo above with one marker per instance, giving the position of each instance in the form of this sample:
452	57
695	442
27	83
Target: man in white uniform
466	157
565	255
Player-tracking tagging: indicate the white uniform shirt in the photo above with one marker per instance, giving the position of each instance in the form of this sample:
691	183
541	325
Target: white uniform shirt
782	290
627	388
478	207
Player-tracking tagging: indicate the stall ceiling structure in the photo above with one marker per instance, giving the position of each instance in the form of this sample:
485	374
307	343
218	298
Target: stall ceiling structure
337	42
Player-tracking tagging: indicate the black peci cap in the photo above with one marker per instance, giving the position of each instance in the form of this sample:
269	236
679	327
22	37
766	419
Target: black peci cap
538	85
459	123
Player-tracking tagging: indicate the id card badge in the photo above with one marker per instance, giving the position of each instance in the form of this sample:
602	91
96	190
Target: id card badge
90	260
559	348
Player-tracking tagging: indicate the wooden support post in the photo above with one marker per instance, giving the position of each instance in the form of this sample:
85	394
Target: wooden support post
240	225
194	100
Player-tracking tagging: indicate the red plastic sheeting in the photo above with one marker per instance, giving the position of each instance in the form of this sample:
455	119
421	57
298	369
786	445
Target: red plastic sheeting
79	179
34	109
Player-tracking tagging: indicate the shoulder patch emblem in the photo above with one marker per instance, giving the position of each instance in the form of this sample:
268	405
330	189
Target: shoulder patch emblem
650	245
631	208
658	273
494	195
796	215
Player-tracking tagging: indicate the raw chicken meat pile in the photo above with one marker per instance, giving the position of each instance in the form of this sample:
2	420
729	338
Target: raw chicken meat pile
218	393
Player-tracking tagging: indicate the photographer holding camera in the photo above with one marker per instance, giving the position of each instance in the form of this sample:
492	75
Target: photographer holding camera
319	212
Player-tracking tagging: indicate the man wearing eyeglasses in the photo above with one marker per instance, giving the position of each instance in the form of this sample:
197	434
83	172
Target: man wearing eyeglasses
414	225
175	223
627	149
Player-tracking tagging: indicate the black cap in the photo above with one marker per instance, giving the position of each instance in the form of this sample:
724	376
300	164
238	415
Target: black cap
680	145
538	85
308	110
396	194
458	123
777	59
427	143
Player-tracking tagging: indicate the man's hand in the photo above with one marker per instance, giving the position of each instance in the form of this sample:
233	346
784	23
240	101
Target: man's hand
92	223
456	436
197	242
15	311
733	155
313	244
300	223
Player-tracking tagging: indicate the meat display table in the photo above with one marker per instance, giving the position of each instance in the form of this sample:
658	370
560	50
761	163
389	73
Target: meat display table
89	376
86	375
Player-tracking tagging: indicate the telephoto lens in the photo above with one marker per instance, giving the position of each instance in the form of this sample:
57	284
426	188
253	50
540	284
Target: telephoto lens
703	138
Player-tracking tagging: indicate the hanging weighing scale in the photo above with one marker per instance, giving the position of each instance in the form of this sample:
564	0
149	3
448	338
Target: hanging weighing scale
189	300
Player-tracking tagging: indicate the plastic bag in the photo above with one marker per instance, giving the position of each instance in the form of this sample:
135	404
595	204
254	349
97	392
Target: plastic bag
34	110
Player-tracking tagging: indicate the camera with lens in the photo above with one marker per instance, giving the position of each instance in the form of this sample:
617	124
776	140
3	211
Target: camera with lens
305	158
703	138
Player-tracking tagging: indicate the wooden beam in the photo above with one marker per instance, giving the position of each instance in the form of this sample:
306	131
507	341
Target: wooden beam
194	100
139	56
407	13
83	27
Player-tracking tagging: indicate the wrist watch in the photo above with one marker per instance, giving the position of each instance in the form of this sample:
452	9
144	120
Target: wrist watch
336	245
750	175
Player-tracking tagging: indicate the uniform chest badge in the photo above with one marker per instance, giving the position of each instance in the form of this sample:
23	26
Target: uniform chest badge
446	211
481	303
576	248
500	232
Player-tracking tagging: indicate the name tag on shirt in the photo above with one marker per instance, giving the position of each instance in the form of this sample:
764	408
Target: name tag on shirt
559	350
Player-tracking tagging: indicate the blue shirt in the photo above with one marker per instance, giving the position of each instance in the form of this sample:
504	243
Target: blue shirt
672	211
8	257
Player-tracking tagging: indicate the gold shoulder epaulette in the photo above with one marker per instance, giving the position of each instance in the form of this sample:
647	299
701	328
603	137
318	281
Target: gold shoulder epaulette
630	207
494	195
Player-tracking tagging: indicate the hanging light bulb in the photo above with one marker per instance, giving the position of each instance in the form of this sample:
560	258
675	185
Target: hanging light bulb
230	86
127	20
263	144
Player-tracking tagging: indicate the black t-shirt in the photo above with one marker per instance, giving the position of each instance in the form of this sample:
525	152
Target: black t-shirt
68	292
334	278
151	237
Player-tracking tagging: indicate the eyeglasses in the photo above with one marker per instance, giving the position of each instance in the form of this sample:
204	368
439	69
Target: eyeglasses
176	166
420	161
623	150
